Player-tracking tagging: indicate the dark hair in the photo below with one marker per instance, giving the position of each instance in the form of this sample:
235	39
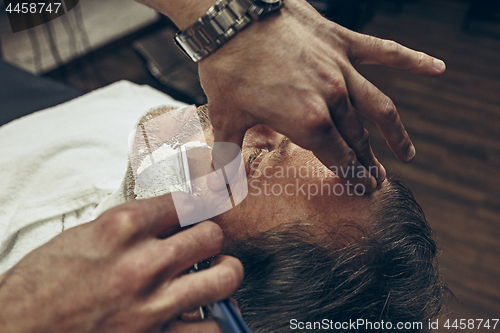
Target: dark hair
384	272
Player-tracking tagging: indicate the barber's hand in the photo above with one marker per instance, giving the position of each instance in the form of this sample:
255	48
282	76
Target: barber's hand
294	72
124	272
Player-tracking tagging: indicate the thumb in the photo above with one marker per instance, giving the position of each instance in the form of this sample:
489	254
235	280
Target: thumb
226	148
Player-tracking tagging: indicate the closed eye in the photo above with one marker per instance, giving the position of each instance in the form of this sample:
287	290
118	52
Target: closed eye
256	154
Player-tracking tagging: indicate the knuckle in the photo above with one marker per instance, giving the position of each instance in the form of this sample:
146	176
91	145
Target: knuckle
392	48
366	90
121	223
420	58
350	156
373	43
335	86
403	141
363	144
388	112
317	119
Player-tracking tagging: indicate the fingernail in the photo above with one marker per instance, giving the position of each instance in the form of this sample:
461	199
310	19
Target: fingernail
439	65
410	154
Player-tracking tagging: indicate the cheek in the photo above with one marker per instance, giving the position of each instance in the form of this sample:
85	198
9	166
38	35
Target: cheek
276	201
239	219
257	213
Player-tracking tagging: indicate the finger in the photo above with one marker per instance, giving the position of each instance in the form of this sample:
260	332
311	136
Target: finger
373	50
222	156
172	256
374	105
318	133
358	139
157	217
198	289
205	326
342	160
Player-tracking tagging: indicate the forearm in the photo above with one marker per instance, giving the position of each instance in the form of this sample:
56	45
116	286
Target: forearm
182	12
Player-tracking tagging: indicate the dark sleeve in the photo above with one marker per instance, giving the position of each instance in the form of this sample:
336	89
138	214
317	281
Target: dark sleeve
22	93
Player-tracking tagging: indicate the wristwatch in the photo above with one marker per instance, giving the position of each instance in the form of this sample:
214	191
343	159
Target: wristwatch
222	22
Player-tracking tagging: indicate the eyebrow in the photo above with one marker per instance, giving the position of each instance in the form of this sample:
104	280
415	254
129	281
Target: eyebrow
280	153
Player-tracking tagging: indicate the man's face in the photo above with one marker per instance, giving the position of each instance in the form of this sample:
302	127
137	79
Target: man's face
288	184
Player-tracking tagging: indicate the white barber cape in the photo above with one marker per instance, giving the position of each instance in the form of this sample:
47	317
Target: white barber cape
57	165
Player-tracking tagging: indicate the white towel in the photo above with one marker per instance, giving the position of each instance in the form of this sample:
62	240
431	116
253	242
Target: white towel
66	158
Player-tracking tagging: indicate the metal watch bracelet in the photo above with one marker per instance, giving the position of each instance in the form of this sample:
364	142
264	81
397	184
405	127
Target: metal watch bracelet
221	22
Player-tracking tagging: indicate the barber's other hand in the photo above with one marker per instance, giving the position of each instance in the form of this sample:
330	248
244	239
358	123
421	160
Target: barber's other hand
124	272
294	72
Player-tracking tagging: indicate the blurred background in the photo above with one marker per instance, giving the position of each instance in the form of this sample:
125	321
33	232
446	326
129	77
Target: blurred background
454	120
